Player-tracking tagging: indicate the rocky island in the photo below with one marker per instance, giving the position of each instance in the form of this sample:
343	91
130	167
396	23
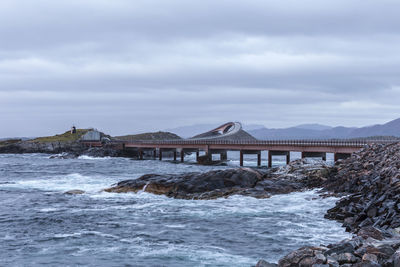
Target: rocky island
69	145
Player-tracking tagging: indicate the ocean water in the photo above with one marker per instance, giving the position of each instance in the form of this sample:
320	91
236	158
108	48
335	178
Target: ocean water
41	226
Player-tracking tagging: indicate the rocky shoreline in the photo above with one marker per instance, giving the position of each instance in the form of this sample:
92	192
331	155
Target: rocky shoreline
72	149
368	182
371	211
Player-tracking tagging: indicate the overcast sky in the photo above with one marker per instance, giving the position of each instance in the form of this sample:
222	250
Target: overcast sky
126	66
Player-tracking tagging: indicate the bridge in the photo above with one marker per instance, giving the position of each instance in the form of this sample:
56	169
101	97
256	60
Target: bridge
231	137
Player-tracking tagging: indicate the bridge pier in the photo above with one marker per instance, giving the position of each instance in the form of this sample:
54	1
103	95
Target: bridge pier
313	155
161	150
251	152
338	156
272	153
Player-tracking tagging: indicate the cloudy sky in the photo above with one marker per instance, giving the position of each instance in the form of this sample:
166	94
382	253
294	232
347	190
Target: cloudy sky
126	66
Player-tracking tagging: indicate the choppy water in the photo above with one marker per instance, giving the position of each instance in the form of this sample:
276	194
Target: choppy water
39	225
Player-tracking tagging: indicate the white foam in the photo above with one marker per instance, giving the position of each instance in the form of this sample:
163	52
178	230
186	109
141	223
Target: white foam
93	158
89	184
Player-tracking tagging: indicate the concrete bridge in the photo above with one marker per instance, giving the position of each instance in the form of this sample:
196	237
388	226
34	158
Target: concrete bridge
308	148
231	137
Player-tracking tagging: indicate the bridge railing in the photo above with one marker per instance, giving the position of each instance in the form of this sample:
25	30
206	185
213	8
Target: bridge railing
332	142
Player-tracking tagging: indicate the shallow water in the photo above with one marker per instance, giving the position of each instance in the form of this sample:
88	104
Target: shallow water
39	225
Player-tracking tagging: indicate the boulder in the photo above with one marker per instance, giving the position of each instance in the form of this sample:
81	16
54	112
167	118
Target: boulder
74	192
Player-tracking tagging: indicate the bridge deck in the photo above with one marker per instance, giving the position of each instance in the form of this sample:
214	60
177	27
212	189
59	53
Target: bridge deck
327	146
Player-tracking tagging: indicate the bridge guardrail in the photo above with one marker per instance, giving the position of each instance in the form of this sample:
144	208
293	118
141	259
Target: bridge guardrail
337	142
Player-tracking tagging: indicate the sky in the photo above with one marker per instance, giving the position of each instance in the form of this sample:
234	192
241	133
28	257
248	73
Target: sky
125	66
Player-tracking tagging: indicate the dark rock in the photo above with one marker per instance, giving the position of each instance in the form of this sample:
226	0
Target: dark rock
345	247
369	258
207	185
370	231
263	263
346	258
74	192
223	183
395	259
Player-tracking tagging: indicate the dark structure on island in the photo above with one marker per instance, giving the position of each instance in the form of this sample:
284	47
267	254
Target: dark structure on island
231	137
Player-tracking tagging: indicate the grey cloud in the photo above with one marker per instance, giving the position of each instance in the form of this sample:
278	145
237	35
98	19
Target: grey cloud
183	62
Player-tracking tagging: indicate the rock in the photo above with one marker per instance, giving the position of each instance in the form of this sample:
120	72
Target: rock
207	185
370	231
223	183
396	259
346	258
305	256
369	258
74	192
332	261
341	248
263	263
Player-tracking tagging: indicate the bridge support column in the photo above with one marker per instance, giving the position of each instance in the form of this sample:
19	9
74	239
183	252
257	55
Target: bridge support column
338	156
278	153
155	153
175	155
182	156
224	156
140	154
251	152
160	154
197	155
313	155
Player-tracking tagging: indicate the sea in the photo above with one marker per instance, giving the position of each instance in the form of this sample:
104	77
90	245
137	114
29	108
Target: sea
42	226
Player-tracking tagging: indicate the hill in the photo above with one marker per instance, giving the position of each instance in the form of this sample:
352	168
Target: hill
150	136
313	131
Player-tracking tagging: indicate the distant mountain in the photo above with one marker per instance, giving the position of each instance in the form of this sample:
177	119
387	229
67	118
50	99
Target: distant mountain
391	128
249	127
316	131
303	131
314	126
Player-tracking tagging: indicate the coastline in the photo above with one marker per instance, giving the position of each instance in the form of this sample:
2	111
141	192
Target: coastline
370	179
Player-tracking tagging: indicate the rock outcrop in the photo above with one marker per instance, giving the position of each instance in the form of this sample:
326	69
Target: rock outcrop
358	251
222	183
372	177
371	210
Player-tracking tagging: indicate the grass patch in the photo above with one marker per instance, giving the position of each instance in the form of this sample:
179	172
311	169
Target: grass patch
65	137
